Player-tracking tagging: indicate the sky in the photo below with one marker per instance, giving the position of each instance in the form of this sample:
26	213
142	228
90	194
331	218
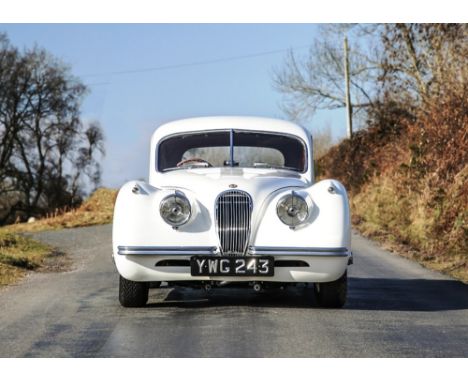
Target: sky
131	104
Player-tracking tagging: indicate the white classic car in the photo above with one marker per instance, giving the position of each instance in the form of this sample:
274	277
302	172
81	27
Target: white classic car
231	201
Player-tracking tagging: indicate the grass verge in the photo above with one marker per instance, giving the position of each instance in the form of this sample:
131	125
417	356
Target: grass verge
408	225
20	254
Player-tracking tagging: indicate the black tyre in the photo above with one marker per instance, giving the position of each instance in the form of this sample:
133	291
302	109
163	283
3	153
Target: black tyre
332	294
133	294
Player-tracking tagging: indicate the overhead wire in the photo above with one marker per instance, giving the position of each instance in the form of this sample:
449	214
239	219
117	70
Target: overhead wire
185	65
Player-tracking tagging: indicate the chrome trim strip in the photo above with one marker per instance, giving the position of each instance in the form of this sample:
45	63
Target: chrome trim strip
298	251
137	250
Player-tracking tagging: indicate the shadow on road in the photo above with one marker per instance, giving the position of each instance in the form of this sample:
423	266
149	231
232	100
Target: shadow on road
407	294
374	294
231	297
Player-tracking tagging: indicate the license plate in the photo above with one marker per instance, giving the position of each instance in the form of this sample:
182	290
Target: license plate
232	266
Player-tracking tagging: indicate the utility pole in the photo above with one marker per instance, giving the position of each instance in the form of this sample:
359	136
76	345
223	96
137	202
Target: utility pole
349	107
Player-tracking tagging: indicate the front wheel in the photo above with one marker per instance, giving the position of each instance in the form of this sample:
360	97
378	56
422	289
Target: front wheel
133	294
332	294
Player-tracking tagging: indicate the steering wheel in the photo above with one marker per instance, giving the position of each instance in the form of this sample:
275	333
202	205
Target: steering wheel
196	160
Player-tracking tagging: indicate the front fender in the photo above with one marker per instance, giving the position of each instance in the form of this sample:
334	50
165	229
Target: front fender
137	220
328	223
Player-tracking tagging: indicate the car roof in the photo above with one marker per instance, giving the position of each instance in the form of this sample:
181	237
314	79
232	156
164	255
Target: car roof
227	123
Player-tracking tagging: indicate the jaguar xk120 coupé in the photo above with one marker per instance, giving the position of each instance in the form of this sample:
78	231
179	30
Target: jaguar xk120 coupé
232	201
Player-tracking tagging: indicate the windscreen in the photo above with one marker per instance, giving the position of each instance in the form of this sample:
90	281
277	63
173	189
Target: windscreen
250	149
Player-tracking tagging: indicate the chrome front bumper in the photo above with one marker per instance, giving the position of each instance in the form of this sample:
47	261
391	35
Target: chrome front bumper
252	250
139	263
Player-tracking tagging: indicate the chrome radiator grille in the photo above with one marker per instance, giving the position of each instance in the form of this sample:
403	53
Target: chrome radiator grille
233	215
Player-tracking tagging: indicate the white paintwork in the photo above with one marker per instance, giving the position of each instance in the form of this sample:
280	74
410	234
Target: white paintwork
137	221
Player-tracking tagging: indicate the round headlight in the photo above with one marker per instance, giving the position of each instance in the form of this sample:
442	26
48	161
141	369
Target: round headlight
292	209
175	209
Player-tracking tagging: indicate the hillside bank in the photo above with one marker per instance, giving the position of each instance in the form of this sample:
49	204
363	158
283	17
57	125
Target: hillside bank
408	182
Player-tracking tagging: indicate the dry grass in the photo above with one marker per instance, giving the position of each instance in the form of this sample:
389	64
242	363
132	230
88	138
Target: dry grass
408	183
407	224
98	209
20	254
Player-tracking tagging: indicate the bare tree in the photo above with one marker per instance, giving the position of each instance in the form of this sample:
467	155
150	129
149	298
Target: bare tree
405	63
317	81
46	153
422	60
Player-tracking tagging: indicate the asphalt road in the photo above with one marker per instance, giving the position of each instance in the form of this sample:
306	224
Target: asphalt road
395	309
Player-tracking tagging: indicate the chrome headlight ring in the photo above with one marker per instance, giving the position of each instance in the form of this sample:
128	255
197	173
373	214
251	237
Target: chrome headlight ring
292	209
175	209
